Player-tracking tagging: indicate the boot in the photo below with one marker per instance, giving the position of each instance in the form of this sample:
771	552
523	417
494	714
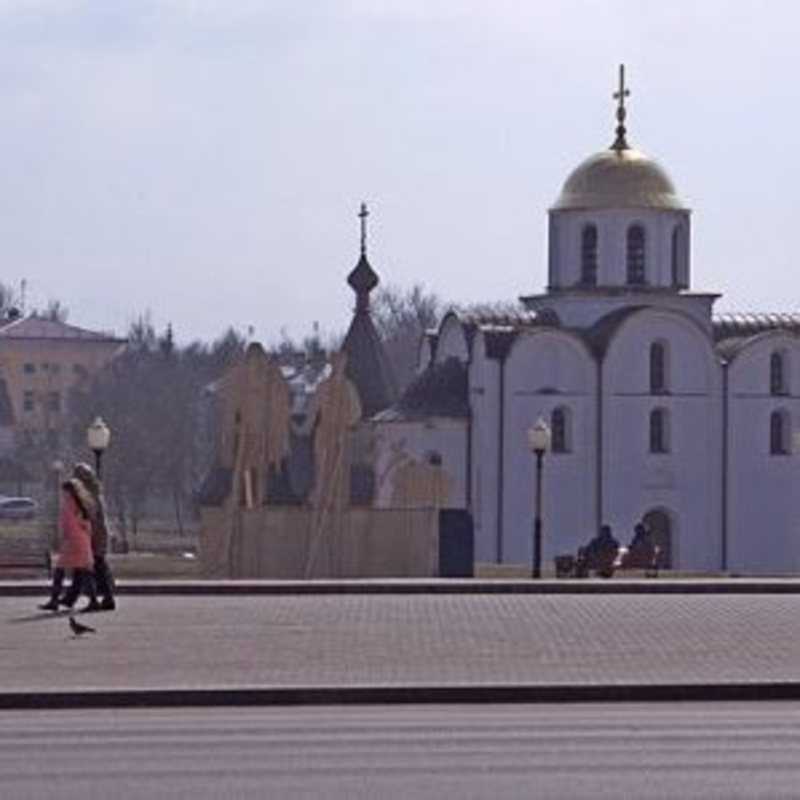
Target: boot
55	591
105	583
71	594
87	586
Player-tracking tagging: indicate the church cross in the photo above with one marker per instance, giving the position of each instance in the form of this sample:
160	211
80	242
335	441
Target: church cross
620	142
363	214
622	92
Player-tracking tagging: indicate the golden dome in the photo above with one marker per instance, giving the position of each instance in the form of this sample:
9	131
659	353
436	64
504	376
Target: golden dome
618	178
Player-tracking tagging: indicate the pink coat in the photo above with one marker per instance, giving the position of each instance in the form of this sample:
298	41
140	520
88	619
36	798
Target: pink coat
76	536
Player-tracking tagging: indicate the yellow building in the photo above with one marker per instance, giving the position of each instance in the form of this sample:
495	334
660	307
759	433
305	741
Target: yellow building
40	361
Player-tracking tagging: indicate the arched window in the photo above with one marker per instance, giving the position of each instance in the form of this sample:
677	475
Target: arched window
674	260
636	255
589	256
658	368
560	432
678	256
779	433
659	431
777	374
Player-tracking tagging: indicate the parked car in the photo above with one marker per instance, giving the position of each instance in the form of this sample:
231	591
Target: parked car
18	508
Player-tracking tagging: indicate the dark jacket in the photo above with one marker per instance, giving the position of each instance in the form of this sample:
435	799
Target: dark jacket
99	528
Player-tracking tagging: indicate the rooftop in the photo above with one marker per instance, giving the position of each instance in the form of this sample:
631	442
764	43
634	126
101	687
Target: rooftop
40	328
734	325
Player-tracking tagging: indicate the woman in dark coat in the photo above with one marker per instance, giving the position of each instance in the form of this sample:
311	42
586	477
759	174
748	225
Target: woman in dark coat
102	572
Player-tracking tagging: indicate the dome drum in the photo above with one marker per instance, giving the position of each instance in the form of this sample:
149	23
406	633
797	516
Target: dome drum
598	249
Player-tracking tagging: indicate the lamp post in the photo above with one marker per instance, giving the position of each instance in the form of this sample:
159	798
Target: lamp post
57	468
97	437
539	442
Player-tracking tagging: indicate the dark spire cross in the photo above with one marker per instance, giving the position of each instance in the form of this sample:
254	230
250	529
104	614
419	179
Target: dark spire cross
363	279
620	142
363	214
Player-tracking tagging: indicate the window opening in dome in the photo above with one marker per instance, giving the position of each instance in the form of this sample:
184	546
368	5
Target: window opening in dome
636	255
679	257
675	259
589	256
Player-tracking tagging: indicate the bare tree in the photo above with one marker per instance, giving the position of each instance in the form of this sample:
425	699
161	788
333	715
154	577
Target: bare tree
149	396
55	311
9	300
401	317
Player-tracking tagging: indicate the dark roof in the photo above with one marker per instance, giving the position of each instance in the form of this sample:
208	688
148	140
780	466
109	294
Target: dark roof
499	340
729	326
368	366
39	328
511	314
439	391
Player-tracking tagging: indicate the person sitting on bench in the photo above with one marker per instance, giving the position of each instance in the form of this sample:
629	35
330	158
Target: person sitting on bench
641	553
601	552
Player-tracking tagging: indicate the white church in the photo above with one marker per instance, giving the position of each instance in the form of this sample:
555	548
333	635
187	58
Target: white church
660	410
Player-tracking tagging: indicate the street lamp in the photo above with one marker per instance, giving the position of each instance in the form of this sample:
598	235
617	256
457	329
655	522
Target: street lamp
97	437
539	442
57	467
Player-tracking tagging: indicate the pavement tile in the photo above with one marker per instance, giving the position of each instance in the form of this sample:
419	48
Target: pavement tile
244	641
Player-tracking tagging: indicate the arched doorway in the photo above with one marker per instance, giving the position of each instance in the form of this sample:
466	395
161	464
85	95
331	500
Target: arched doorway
660	526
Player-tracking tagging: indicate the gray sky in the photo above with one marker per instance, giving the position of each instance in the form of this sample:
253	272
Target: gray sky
205	160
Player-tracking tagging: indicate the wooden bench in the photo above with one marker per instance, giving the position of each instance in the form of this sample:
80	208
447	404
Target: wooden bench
569	566
649	563
578	566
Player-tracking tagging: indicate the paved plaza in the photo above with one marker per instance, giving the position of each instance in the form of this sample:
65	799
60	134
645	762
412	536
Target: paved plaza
206	641
713	751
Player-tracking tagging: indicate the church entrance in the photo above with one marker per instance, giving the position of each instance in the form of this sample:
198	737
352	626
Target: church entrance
660	527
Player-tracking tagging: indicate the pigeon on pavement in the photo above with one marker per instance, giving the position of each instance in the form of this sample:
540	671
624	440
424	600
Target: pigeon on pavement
78	629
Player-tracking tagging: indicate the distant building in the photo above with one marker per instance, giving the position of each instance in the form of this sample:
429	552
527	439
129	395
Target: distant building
40	361
659	409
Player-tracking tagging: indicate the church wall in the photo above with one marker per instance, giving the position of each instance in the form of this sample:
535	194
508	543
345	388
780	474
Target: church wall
452	341
484	377
582	309
420	464
684	482
763	496
612	226
548	370
425	353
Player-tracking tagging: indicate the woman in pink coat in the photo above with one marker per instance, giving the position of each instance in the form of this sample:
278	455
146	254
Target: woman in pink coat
75	552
